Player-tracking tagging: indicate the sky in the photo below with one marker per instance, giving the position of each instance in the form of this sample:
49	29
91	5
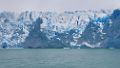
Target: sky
57	5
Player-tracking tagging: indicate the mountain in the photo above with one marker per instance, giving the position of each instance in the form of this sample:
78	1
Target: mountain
76	29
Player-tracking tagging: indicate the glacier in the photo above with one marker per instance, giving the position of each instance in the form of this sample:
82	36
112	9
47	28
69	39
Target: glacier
68	29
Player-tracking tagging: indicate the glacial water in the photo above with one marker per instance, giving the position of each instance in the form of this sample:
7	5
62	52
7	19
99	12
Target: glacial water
59	58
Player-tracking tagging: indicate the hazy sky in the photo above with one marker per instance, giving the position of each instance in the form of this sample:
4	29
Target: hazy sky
58	5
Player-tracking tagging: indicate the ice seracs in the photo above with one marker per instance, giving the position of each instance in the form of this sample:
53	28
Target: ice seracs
67	29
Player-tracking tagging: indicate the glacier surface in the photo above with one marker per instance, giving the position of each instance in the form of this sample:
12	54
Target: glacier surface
76	29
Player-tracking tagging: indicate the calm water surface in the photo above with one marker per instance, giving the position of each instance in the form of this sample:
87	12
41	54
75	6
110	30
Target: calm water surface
59	58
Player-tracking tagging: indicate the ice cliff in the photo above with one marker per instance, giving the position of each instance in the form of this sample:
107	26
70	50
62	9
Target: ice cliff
76	29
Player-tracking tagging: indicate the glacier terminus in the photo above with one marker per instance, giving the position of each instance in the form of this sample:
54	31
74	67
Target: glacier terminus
69	29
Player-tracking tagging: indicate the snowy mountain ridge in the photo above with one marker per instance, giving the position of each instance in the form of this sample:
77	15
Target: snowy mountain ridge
78	29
